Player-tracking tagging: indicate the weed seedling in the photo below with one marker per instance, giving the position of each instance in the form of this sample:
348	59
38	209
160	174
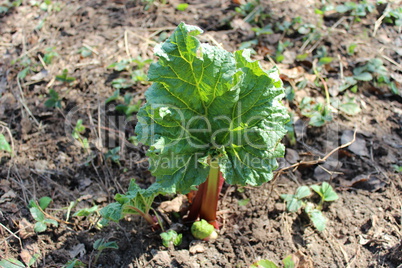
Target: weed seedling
348	106
357	10
6	5
373	71
85	52
37	212
75	263
49	55
113	155
134	67
287	263
394	16
54	100
279	56
64	77
252	11
128	108
294	202
318	113
76	134
46	5
4	145
397	168
86	212
182	6
14	263
100	245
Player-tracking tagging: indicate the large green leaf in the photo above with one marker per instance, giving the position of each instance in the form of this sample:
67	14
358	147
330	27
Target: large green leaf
206	101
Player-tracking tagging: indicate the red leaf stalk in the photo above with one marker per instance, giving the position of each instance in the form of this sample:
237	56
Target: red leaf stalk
205	203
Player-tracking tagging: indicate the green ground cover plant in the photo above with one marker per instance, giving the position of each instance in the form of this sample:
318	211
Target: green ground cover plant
294	202
100	245
37	211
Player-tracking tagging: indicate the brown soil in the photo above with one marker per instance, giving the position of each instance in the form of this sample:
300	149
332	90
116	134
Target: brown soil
364	225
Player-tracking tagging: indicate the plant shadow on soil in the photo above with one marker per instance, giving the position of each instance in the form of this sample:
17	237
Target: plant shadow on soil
364	225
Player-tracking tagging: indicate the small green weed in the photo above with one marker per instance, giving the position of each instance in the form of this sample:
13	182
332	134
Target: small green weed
64	77
127	107
4	145
279	57
101	244
113	155
7	5
46	5
77	131
37	212
134	67
54	100
50	53
86	212
351	49
182	6
14	263
373	71
348	106
91	214
394	16
397	168
150	3
252	11
75	263
294	202
358	10
85	51
287	263
318	113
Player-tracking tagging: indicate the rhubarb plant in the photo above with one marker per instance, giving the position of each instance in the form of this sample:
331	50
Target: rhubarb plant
210	116
136	201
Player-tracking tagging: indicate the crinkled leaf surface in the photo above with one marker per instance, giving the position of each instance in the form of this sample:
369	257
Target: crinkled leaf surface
207	102
136	197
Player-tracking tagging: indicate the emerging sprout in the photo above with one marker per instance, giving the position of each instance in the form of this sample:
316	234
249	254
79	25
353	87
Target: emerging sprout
203	230
171	238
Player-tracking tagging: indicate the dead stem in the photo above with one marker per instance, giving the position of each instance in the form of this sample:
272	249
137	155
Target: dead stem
12	234
314	162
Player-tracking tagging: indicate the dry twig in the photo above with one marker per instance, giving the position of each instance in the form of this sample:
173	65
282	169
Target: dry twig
314	162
